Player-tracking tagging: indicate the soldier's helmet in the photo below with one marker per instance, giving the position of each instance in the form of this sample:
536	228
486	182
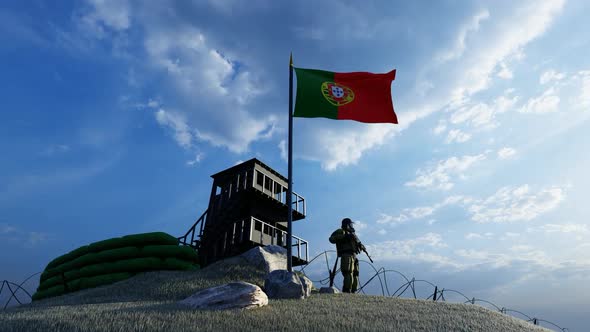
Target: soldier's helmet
346	222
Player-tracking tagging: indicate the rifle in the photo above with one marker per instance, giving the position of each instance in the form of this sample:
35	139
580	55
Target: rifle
366	253
360	245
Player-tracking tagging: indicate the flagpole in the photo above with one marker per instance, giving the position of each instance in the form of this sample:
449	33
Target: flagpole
290	177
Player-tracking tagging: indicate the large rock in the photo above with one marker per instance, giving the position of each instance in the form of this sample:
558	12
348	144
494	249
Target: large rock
307	285
268	258
229	296
282	284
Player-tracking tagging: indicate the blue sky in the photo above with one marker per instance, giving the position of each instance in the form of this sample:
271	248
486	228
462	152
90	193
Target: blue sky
115	113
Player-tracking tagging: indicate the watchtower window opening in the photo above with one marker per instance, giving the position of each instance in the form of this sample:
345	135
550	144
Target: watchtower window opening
259	178
258	225
217	190
268	182
278	192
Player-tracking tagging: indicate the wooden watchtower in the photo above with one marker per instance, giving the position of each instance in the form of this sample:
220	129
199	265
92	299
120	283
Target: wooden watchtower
247	208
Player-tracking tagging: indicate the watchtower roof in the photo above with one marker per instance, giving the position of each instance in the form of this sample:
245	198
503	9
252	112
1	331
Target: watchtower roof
246	165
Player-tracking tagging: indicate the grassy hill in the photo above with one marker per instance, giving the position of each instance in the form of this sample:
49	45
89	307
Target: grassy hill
147	302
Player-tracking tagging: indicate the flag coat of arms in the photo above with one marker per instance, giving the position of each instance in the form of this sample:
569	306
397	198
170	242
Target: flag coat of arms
358	96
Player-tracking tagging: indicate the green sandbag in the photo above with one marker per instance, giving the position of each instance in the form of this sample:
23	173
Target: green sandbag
103	279
134	240
74	285
102	257
175	251
138	240
138	264
51	292
92	270
117	254
113	243
56	280
92	258
68	257
151	238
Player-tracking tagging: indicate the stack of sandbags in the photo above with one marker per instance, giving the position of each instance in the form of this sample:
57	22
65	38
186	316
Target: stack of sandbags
112	260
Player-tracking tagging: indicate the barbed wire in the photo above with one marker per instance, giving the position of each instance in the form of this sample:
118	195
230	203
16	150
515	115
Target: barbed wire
13	293
410	284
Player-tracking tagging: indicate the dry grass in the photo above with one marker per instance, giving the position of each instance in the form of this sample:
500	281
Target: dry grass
147	302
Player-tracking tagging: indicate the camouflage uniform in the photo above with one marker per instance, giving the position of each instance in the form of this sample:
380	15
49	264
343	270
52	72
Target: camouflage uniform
347	247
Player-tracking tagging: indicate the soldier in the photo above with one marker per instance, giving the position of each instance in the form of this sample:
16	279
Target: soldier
348	246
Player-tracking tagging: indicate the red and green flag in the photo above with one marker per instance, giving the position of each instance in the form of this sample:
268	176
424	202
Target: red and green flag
358	96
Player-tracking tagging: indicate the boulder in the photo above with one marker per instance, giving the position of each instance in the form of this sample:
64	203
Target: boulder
229	296
282	284
329	290
268	258
307	285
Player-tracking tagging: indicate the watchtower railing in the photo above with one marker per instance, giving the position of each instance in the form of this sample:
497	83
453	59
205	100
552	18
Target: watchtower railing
199	224
266	234
275	190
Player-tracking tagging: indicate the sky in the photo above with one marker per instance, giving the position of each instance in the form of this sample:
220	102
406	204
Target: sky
114	114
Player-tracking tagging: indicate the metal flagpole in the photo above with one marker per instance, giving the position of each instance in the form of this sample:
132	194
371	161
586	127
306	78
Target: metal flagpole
290	177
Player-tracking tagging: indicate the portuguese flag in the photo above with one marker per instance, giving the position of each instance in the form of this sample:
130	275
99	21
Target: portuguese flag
358	96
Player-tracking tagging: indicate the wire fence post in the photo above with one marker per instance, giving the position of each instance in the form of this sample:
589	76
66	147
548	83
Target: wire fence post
434	295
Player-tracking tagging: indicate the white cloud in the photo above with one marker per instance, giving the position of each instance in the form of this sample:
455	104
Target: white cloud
506	153
545	103
509	36
565	228
381	232
178	124
583	98
518	255
420	212
198	157
440	128
459	46
105	14
505	72
211	85
201	81
483	115
153	104
6	228
551	75
457	136
342	146
471	236
361	24
284	149
440	175
391	220
510	204
34	238
28	239
415	249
